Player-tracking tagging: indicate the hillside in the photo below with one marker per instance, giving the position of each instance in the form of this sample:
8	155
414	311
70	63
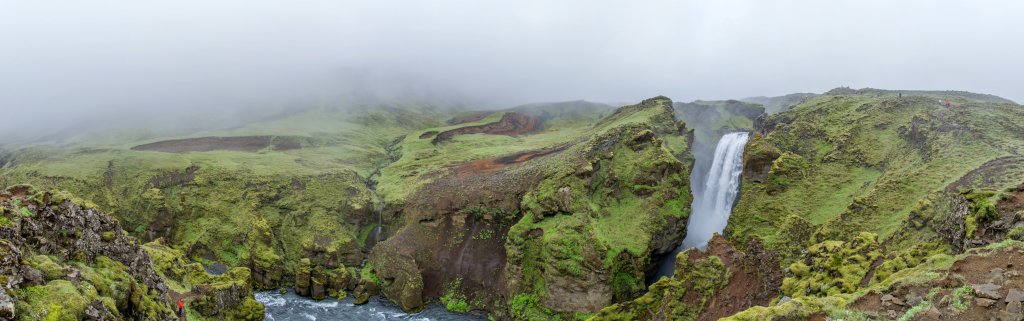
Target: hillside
864	205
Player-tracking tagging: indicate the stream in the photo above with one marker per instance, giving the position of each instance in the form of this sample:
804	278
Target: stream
291	307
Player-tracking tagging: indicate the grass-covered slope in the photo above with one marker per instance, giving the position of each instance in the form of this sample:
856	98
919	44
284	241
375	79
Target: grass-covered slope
265	207
857	189
779	103
859	161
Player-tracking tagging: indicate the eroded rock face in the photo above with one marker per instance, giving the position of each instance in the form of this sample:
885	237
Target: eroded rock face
45	236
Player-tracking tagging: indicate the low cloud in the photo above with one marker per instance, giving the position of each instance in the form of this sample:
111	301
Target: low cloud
70	61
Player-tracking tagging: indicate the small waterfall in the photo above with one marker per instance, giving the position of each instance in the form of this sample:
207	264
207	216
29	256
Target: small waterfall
715	199
378	206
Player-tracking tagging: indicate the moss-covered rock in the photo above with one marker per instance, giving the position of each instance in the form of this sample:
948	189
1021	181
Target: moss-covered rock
681	297
77	264
832	267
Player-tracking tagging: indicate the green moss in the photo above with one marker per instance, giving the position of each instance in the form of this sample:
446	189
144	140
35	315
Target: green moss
915	310
57	300
453	299
51	270
786	169
681	297
1017	233
367	272
832	267
961	298
983	209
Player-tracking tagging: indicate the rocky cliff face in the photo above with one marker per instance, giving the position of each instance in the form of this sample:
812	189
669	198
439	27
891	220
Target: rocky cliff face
64	260
707	285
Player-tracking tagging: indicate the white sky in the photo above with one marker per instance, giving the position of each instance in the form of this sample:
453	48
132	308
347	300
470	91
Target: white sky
77	58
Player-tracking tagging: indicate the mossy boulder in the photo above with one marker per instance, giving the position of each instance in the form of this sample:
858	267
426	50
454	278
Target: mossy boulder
832	267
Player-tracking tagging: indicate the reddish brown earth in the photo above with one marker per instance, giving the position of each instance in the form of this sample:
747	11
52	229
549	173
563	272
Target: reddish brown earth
511	124
477	167
206	144
755	278
469	118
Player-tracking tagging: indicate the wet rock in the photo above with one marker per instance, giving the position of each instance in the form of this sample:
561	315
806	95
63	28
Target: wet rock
6	306
1014	296
983	302
988	290
365	290
887	298
302	277
318	284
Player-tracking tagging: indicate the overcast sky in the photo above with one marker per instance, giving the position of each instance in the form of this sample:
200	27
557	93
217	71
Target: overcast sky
80	58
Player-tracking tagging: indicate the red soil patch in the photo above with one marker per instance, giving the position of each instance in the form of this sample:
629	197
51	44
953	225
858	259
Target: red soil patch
477	167
469	118
511	124
206	144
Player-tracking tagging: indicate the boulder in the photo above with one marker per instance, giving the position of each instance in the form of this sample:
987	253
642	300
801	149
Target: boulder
366	289
1014	296
988	290
983	302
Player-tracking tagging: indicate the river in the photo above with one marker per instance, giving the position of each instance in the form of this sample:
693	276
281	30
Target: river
291	307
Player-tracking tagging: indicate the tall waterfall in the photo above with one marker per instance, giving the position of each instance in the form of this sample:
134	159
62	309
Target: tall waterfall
713	201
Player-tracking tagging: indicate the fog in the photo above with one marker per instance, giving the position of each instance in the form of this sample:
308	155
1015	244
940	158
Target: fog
70	63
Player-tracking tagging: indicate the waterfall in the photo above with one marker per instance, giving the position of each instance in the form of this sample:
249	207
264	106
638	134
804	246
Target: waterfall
713	201
378	207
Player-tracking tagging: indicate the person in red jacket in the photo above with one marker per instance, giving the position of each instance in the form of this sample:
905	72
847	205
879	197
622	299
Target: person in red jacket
181	308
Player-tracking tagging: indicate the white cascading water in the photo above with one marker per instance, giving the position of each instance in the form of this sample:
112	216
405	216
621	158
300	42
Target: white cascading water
712	207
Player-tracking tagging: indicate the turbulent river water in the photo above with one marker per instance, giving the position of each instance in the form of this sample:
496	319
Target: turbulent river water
714	199
291	307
